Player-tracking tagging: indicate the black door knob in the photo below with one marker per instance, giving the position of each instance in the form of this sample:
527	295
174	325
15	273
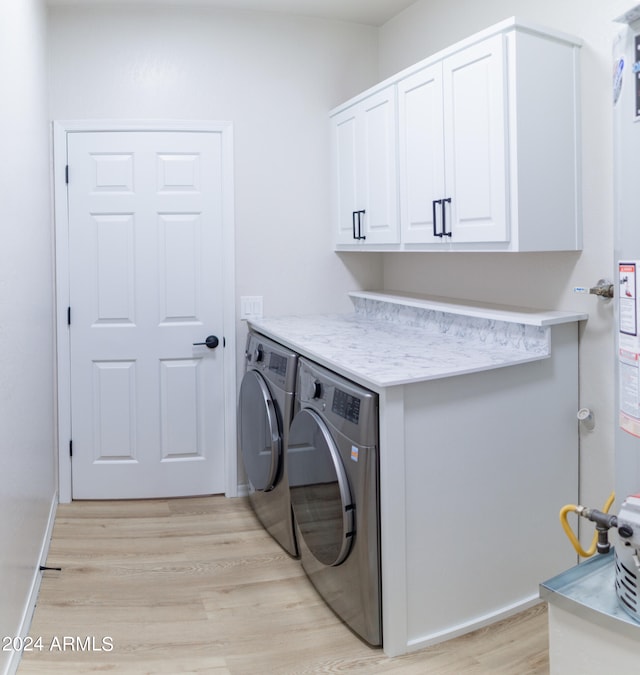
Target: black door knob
211	341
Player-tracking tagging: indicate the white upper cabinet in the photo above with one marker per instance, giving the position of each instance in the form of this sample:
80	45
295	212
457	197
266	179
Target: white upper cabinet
452	143
485	144
365	180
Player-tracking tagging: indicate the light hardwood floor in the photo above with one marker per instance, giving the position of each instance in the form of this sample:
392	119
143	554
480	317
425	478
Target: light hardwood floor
196	586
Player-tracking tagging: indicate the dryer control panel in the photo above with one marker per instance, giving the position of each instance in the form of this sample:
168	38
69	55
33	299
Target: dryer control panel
276	363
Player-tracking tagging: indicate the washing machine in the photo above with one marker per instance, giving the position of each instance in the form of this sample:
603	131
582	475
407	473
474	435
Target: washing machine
265	410
333	469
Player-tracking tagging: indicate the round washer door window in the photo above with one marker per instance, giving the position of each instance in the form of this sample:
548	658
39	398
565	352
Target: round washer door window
319	489
259	432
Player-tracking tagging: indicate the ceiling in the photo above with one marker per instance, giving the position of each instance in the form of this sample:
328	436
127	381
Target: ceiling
372	12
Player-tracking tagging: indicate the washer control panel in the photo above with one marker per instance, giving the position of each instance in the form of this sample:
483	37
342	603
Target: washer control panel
346	405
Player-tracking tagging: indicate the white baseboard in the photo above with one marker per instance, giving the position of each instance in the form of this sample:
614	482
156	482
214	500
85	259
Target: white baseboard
32	598
480	622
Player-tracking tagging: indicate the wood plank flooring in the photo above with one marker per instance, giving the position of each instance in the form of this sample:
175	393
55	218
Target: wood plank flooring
196	586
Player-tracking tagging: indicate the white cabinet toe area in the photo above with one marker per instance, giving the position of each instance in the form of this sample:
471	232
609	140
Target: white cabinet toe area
489	460
480	154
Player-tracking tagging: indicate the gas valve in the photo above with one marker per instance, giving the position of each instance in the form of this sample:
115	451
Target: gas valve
603	289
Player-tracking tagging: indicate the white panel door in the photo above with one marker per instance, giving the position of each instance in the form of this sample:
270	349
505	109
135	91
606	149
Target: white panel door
421	156
145	272
475	142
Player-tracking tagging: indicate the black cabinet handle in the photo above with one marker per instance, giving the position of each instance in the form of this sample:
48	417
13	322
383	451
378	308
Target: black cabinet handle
359	214
435	229
444	217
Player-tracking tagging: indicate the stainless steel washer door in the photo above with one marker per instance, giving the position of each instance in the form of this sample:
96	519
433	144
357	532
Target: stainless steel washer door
319	489
259	432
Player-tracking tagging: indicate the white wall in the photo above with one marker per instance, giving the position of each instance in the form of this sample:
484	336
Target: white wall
536	280
27	484
275	77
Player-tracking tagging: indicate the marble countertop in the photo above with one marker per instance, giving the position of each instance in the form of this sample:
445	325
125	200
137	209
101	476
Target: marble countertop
379	354
392	340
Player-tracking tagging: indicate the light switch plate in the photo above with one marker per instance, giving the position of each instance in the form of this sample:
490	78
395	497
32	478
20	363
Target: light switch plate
250	307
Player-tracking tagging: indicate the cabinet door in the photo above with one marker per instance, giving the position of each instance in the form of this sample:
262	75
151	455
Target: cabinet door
377	186
365	177
345	140
421	156
474	83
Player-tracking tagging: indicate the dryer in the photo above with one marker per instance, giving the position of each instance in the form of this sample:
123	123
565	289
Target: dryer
333	469
265	410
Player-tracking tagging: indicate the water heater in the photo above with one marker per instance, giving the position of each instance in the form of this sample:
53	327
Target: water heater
626	104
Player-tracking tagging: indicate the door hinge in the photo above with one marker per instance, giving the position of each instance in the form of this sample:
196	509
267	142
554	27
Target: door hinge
68	316
70	448
66	174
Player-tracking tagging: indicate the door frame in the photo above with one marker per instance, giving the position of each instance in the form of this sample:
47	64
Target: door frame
60	132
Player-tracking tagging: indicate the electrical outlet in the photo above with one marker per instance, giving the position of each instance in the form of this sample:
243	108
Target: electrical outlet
250	307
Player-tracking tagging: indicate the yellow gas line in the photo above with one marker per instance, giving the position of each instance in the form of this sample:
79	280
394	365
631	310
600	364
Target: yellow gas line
569	532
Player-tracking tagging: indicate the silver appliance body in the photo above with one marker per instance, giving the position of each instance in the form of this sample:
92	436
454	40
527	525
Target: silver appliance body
627	561
265	411
333	470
